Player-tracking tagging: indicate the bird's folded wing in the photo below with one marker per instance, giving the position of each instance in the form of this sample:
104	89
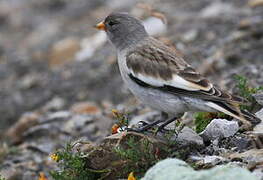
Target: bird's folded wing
170	73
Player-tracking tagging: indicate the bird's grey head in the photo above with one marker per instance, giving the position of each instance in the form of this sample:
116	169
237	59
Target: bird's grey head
123	30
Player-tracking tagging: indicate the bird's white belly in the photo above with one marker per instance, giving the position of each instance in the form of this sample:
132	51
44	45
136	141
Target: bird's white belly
152	97
158	100
167	102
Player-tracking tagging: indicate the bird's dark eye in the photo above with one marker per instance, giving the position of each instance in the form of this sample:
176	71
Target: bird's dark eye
111	23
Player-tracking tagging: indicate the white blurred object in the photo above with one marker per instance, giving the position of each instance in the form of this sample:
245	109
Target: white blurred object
217	8
154	26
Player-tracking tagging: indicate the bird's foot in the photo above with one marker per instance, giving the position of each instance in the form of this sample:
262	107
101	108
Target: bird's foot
147	126
143	126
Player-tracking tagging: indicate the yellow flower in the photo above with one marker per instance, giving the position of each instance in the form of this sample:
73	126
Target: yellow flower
42	176
54	157
131	176
115	112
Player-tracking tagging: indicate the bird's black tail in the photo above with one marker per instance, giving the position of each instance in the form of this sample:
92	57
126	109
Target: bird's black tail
252	118
233	110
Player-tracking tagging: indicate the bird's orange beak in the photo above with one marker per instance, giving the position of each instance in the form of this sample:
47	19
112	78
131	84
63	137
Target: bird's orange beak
100	26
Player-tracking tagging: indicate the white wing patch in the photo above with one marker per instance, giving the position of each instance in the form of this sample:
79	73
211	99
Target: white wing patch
176	81
179	82
149	80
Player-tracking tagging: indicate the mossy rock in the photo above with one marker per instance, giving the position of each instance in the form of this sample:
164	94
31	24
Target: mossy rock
175	169
125	152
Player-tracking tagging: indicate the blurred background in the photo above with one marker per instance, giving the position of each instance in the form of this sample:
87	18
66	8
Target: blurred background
55	68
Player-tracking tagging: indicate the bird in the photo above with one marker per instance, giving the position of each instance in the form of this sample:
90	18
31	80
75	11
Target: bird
160	77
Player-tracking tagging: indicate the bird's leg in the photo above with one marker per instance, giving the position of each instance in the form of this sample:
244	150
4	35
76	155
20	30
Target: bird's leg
147	126
161	127
180	128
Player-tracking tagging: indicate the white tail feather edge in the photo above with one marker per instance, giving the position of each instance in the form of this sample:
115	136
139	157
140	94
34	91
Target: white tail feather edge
221	109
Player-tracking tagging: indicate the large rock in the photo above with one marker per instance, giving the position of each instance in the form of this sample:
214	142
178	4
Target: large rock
175	169
210	161
188	137
131	145
258	129
250	156
253	158
219	128
259	98
217	8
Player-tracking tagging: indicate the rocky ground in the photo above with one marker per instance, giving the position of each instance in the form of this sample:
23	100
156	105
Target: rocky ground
59	79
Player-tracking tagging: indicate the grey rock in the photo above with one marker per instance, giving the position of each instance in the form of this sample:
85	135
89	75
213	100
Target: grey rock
250	156
259	114
90	129
77	122
44	146
56	103
175	169
162	170
11	173
190	35
258	173
28	175
258	129
219	128
217	8
213	160
57	116
188	137
240	142
209	160
259	98
29	81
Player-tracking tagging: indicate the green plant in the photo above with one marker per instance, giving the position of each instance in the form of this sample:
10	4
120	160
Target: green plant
122	119
73	166
139	155
247	92
2	178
